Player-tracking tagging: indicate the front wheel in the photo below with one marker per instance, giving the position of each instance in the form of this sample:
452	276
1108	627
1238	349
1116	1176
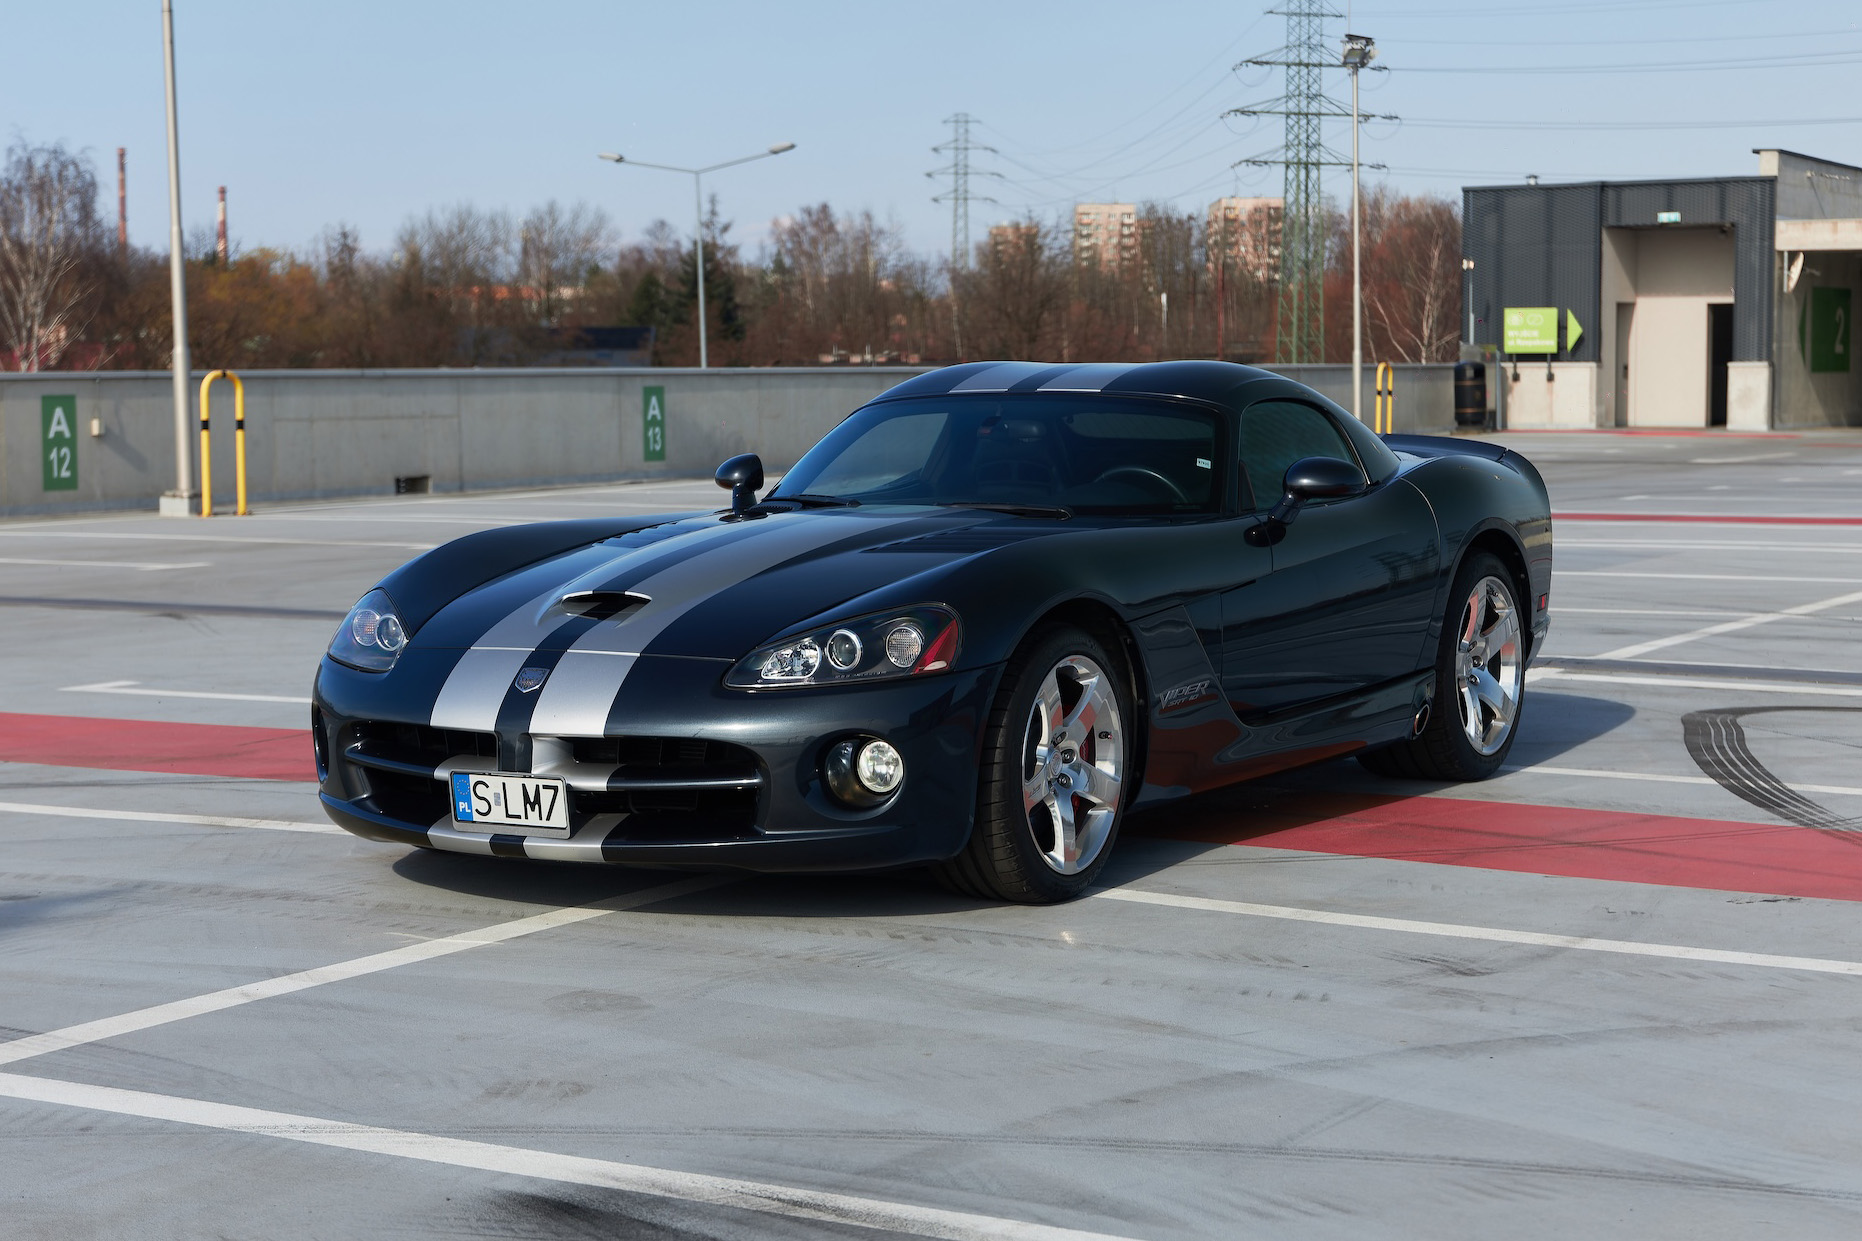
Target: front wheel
1055	760
1480	683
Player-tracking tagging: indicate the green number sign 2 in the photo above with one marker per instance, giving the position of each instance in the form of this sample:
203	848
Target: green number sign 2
58	441
1830	329
653	423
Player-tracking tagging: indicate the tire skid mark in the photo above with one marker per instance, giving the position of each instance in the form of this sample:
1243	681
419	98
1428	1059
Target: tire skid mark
1716	740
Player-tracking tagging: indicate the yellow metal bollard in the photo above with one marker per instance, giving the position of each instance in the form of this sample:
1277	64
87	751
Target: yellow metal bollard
239	444
1385	416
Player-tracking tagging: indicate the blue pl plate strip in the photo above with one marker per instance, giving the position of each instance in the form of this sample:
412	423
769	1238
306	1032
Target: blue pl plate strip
462	797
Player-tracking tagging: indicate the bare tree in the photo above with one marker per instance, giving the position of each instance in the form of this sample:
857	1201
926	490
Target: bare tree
460	251
49	239
558	249
1013	299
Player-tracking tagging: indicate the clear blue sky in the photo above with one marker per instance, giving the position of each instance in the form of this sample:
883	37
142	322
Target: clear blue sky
367	113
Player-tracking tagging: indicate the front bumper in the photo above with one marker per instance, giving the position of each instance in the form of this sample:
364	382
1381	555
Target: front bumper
691	776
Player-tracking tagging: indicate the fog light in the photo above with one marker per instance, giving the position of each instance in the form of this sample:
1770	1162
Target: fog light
878	767
862	771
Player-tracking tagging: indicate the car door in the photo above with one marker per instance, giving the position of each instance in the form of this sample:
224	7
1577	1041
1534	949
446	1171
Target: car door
1351	590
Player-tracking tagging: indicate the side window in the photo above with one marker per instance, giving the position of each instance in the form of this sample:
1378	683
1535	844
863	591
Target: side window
1275	434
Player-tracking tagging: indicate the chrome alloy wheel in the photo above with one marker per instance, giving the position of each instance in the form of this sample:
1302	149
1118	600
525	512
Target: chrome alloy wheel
1488	671
1073	759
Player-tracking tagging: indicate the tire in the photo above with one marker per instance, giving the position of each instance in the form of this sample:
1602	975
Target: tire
1039	775
1480	677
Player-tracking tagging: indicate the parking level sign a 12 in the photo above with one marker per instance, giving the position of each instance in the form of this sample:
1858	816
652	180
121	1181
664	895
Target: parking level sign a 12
58	441
653	423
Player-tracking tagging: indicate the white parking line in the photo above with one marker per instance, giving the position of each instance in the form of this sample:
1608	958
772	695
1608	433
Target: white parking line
1713	545
1568	611
1593	773
1492	934
1740	460
208	538
144	566
730	1193
1704	577
1637	649
341	971
157	816
1741	687
137	688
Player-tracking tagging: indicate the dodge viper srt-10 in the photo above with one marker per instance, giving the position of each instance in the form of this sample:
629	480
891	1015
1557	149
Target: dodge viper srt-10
991	612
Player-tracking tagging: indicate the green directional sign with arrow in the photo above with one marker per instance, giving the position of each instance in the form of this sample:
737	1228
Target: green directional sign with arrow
1529	329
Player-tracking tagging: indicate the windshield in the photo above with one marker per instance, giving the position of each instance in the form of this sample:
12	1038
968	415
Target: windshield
1087	453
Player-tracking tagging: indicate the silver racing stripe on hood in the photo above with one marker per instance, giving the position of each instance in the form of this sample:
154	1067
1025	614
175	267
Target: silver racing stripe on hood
576	700
485	671
474	689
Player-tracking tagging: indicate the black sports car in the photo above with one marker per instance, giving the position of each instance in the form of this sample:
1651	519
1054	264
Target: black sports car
990	612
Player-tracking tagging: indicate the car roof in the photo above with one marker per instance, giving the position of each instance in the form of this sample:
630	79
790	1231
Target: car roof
1214	382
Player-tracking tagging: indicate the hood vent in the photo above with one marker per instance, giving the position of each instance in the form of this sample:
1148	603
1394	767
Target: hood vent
602	604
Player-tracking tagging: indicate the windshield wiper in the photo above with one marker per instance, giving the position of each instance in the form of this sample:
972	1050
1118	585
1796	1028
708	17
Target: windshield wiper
808	500
1057	511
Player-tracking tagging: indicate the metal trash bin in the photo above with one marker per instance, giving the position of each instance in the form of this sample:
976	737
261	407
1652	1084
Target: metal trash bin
1470	395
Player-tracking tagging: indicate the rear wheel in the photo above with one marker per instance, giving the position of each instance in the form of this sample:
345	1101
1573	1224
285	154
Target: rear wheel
1480	683
1052	788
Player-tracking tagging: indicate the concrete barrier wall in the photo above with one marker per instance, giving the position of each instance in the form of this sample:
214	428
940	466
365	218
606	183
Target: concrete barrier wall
314	434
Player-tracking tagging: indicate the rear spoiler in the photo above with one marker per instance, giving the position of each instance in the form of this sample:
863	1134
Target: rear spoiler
1444	446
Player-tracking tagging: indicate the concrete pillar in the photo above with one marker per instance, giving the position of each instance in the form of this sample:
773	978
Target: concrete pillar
1748	396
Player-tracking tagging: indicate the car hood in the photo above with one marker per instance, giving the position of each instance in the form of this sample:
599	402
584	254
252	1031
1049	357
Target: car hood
713	587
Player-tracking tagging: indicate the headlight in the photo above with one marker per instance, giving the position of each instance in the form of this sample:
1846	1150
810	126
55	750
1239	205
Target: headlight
371	637
908	642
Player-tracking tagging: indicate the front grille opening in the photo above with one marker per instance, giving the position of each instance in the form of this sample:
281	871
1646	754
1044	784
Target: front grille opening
673	816
656	754
418	800
419	744
319	743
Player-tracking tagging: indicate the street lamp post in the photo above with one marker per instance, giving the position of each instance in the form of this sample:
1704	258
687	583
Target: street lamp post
698	199
1359	49
177	503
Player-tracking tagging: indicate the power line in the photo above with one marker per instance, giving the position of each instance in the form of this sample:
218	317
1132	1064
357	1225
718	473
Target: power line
1444	122
1801	60
1663	41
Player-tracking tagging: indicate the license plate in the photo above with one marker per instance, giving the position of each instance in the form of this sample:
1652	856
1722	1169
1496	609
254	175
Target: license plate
493	801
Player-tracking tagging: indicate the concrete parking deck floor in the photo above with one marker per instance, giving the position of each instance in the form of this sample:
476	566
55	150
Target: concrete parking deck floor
1613	991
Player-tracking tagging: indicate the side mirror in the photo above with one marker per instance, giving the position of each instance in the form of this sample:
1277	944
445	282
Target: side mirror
1315	478
743	474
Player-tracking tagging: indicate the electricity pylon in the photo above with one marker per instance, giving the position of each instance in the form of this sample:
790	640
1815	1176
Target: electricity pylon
1300	333
959	196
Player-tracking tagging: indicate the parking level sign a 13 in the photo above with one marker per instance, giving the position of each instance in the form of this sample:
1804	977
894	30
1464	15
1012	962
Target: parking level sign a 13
653	423
58	441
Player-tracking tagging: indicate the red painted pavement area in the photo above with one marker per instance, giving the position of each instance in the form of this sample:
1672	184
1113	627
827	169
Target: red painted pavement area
149	745
1711	519
1775	858
1665	432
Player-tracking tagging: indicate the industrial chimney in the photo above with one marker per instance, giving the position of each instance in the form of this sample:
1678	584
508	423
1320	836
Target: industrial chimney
219	243
122	198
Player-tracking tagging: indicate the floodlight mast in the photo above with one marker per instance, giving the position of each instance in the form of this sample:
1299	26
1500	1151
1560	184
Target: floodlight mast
698	199
1359	51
